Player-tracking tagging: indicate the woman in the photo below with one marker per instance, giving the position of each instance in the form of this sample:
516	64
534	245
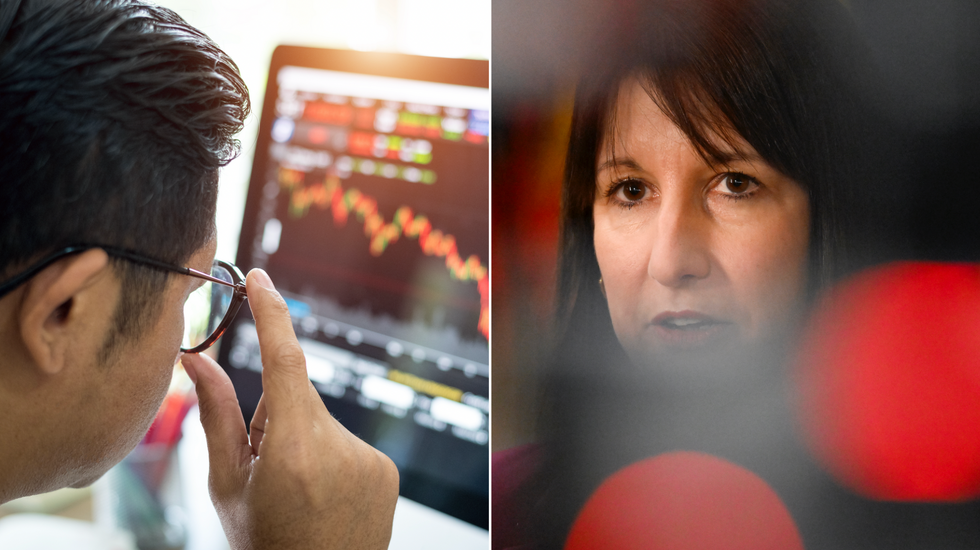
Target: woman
712	150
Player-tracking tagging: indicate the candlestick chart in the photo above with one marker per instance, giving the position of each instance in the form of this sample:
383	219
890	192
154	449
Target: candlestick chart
328	194
368	206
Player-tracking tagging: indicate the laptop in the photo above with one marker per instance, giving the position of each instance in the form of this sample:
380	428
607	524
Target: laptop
368	205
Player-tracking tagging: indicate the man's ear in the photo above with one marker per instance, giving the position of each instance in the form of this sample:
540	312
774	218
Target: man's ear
49	316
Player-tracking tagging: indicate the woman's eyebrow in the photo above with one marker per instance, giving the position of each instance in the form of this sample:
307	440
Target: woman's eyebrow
722	158
627	163
728	157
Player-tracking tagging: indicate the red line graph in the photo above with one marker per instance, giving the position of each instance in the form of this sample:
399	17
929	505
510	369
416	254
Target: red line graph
405	223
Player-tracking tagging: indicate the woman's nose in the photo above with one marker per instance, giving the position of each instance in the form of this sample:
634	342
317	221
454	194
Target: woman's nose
680	253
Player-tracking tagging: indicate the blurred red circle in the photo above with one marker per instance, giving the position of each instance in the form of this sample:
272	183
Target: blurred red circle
684	501
888	380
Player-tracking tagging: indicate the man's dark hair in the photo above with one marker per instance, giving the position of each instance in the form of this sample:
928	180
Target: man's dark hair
114	119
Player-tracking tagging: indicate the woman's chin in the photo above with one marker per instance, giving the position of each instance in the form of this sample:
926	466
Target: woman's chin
693	338
706	360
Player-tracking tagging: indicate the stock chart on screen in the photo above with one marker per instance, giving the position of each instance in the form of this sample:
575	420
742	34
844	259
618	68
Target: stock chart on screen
368	207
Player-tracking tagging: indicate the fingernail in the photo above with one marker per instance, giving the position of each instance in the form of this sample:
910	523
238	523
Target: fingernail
190	370
263	279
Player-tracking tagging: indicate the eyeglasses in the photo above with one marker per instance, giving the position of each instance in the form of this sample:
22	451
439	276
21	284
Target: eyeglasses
208	310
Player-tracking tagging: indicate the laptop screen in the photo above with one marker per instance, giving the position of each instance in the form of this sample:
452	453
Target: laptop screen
368	206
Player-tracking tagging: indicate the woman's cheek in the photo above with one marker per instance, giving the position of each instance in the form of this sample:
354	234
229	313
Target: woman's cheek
623	265
768	270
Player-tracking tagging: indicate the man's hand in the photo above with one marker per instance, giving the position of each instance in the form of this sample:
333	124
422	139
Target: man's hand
302	480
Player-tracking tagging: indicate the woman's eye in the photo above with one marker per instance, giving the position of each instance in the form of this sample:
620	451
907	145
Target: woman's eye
738	184
632	190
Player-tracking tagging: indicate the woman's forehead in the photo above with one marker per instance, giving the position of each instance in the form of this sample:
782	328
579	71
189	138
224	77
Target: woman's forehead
638	114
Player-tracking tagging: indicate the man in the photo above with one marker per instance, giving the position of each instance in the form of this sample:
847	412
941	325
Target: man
114	119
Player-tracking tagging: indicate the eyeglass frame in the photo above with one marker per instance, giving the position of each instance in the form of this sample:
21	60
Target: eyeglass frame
238	281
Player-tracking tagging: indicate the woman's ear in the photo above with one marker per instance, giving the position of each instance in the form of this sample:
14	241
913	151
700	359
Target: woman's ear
61	305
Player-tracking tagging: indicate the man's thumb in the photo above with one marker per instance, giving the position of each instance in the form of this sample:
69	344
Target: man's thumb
224	427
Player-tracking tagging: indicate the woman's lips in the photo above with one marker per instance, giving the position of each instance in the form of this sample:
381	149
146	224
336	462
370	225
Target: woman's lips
688	329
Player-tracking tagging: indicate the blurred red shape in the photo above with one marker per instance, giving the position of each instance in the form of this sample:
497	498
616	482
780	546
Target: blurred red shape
684	501
888	380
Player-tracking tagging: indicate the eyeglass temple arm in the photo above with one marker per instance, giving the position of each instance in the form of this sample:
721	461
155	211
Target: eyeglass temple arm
18	280
38	267
165	266
197	273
